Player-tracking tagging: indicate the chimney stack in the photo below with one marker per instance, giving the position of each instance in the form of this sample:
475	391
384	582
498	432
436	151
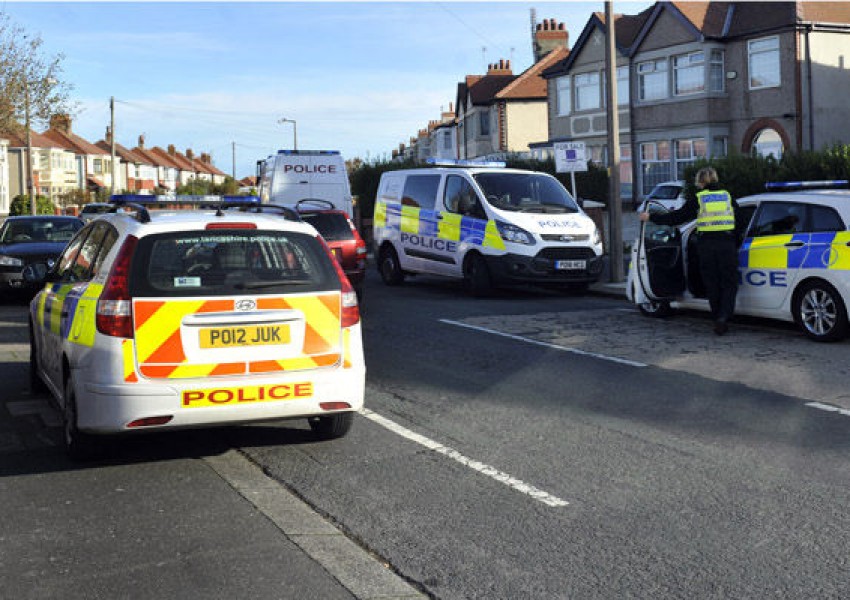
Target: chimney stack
503	67
142	141
189	154
172	151
549	35
61	122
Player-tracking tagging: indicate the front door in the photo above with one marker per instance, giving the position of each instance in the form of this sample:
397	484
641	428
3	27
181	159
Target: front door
661	265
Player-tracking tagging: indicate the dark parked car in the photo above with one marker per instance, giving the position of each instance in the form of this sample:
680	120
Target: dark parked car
32	240
94	210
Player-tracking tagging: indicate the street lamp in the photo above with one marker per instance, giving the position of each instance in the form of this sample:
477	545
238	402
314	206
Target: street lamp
294	131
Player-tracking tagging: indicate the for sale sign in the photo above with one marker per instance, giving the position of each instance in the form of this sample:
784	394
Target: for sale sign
570	157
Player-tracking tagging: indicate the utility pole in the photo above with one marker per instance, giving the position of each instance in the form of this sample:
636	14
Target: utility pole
112	141
28	126
615	205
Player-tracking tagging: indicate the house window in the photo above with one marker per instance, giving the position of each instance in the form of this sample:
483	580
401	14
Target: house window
654	164
652	79
98	166
625	171
622	85
563	91
719	146
484	122
447	140
587	91
687	152
717	72
764	63
767	143
689	73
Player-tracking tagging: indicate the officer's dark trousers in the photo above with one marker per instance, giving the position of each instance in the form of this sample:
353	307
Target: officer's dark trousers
718	261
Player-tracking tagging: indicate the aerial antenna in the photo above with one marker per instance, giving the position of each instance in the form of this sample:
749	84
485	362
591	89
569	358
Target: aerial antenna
533	28
484	54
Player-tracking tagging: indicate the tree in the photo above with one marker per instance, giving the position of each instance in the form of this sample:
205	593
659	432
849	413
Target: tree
28	79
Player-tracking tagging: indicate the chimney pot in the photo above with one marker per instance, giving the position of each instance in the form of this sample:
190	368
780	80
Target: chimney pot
508	64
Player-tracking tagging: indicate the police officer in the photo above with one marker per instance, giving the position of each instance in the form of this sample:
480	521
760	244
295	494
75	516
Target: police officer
714	209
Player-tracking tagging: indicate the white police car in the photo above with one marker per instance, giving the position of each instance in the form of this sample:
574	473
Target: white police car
158	320
793	261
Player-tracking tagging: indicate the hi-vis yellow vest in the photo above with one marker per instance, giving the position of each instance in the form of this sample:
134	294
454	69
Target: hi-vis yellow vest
715	211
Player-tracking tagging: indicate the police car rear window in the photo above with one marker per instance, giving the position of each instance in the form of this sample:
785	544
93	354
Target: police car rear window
230	262
332	226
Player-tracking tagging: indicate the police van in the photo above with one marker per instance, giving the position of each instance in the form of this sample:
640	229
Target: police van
291	176
793	260
484	224
167	319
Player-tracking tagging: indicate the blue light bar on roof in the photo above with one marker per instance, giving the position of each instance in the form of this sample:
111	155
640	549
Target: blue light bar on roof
451	162
309	152
166	199
787	185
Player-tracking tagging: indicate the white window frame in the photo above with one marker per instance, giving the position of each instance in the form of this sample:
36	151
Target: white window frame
563	90
623	85
646	159
585	83
717	71
762	49
686	151
689	66
653	68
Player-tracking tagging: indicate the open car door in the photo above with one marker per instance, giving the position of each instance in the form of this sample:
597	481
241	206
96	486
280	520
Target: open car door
661	265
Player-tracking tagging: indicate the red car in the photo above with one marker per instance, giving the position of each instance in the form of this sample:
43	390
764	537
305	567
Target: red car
341	235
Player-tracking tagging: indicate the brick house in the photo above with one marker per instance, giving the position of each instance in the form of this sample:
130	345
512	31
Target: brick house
709	78
94	165
499	112
55	168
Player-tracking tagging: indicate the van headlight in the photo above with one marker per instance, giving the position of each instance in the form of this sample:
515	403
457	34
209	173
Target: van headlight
515	235
597	237
10	261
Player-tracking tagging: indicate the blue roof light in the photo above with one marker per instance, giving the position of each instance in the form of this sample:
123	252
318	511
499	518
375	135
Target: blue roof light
452	162
788	185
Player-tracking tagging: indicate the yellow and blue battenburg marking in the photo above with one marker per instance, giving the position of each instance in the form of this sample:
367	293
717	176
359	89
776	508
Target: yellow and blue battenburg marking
430	223
822	250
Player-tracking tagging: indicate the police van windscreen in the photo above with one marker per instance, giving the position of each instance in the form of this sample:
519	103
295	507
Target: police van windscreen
526	192
224	262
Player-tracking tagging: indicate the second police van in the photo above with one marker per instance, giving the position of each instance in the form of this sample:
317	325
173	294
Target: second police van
484	224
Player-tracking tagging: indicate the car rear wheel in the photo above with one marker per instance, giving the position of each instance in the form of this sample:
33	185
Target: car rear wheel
78	445
389	266
820	312
655	308
332	426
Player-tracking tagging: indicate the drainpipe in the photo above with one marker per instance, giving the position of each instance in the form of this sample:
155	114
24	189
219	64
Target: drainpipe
810	93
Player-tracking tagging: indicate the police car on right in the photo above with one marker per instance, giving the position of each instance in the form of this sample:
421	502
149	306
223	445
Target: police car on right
793	260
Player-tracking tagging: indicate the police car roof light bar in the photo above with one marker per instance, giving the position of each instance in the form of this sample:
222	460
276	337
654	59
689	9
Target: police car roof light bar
309	152
789	185
451	162
140	213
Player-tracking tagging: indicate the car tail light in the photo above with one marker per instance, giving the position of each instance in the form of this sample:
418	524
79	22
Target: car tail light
350	309
334	405
150	421
115	307
361	253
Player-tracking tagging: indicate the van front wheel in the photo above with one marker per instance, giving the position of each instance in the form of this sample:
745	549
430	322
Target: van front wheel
476	276
389	266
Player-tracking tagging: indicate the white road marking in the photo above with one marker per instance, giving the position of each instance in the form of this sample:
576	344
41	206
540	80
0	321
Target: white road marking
622	361
828	408
492	472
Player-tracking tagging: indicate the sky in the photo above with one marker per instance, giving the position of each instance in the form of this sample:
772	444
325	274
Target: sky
358	77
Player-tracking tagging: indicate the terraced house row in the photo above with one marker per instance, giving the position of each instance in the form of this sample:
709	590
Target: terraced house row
64	162
694	79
